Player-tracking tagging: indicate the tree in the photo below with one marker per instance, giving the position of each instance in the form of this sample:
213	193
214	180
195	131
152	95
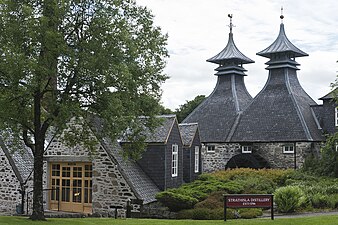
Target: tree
184	110
67	59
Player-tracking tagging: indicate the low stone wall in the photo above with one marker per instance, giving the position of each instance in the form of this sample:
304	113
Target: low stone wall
156	210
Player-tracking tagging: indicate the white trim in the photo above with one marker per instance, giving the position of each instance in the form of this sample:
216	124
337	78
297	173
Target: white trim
289	148
336	116
246	149
210	148
174	160
197	159
336	147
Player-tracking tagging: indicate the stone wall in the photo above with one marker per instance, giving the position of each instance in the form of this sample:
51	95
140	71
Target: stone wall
9	186
271	152
217	159
110	189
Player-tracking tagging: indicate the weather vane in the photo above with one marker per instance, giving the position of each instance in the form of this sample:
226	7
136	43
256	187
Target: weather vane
231	25
281	16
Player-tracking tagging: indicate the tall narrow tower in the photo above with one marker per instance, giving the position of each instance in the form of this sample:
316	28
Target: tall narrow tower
216	115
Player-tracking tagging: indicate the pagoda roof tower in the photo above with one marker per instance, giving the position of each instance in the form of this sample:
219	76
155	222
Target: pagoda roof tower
281	112
218	112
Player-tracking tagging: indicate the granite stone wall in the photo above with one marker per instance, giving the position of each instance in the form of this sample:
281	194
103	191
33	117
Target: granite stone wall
9	186
110	189
218	158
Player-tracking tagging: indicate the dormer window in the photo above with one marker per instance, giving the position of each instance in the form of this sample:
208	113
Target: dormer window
246	149
289	148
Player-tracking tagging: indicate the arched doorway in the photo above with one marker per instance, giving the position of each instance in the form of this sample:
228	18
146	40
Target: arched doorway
247	161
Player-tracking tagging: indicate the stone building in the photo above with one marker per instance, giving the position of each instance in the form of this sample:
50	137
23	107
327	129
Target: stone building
278	128
102	183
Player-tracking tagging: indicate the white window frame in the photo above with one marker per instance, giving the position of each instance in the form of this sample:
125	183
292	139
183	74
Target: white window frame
197	159
336	147
174	160
289	149
246	149
211	148
336	116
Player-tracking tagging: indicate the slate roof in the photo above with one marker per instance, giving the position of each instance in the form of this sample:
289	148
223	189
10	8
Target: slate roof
161	133
218	112
144	188
282	110
188	132
230	52
282	44
21	160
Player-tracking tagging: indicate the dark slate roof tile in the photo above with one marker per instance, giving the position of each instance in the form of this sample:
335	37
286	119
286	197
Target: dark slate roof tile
140	183
188	132
161	133
280	112
216	115
20	157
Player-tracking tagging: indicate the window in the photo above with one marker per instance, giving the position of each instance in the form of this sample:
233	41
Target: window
336	147
288	149
174	163
197	159
210	148
336	117
246	149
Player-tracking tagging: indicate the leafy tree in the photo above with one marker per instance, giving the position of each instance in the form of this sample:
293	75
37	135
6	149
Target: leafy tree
67	59
184	110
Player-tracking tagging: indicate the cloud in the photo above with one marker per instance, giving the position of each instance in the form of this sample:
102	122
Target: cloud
198	30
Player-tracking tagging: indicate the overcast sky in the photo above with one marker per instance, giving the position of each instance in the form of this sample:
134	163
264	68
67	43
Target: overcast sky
198	30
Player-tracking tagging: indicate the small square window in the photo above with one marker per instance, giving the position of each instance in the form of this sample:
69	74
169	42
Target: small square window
246	149
211	148
288	149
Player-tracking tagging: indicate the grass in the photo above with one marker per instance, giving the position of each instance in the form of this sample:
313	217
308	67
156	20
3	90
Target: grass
323	220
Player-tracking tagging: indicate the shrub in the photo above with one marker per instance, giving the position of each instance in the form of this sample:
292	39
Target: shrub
247	213
214	201
176	202
334	201
289	198
321	201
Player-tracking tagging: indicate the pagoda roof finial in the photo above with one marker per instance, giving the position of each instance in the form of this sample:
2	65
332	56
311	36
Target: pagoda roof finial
281	14
231	25
230	52
282	45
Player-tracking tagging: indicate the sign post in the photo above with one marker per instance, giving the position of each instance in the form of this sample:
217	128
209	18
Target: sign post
248	201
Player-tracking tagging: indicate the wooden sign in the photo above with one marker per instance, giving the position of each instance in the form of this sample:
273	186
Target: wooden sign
248	201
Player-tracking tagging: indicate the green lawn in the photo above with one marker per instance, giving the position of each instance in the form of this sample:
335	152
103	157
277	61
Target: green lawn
322	220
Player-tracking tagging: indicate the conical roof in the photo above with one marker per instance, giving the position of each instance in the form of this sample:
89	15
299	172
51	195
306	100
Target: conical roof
282	44
230	53
282	111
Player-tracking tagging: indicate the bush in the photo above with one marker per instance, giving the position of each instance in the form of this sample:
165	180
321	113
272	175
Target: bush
247	213
214	201
321	201
176	202
289	198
